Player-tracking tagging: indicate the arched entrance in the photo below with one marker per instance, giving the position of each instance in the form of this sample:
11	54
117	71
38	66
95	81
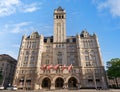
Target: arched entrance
59	83
72	83
46	83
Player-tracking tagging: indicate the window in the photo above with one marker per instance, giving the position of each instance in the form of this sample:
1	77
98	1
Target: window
94	63
86	52
62	16
47	61
74	39
45	40
32	58
56	16
88	64
86	58
72	61
59	45
67	40
90	80
59	17
28	81
59	55
34	45
33	52
60	61
97	80
26	58
27	52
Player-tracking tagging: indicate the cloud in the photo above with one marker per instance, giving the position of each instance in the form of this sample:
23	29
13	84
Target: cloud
8	7
30	8
45	29
25	28
22	27
112	5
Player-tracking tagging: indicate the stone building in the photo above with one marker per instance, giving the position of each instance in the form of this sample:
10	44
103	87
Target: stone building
7	69
60	61
113	83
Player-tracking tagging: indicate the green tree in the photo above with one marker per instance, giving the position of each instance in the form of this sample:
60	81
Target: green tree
113	69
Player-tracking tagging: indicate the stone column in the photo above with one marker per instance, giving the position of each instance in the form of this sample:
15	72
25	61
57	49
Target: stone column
40	86
52	86
65	86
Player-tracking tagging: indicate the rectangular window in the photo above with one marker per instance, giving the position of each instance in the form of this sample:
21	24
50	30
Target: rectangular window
60	61
88	64
90	80
74	39
47	61
86	58
26	58
32	58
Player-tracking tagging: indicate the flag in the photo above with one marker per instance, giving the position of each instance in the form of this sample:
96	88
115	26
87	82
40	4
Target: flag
56	66
49	67
69	67
43	67
64	67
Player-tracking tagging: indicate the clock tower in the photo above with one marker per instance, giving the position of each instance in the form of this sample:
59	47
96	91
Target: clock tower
59	25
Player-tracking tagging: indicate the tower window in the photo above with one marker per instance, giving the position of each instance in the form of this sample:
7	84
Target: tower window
62	16
56	17
59	17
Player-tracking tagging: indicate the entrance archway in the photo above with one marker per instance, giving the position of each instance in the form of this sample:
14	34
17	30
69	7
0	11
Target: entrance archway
72	82
59	83
46	83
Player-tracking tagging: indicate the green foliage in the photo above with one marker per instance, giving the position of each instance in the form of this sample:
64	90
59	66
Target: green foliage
113	67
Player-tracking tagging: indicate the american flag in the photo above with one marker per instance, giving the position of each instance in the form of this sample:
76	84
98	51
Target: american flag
64	67
43	67
56	66
49	67
69	67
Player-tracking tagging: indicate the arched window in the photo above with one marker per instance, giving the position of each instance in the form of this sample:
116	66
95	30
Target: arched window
56	16
59	17
62	16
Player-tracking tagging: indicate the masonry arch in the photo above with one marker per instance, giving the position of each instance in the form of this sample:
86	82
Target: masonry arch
46	83
72	82
59	83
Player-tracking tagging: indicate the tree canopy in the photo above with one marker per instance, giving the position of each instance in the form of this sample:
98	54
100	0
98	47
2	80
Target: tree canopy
113	68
